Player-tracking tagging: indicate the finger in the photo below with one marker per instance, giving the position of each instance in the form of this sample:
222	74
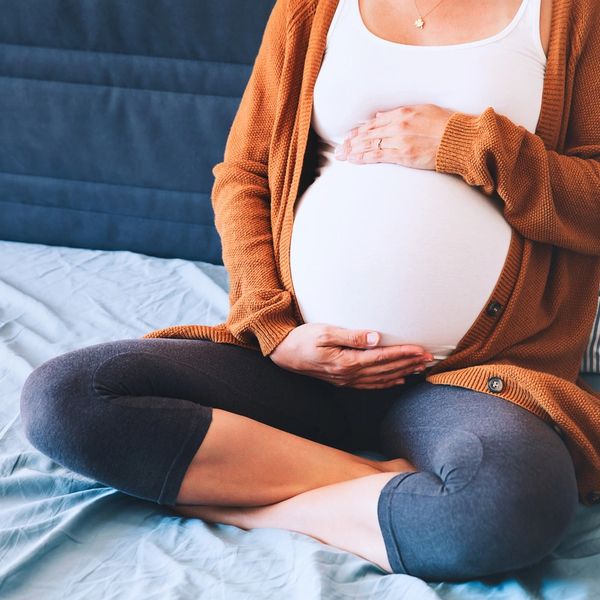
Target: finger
350	379
394	369
351	338
370	151
355	147
391	376
414	151
384	354
374	381
382	118
404	367
377	386
364	145
367	139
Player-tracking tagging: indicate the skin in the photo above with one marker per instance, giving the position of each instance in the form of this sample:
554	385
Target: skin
343	357
251	475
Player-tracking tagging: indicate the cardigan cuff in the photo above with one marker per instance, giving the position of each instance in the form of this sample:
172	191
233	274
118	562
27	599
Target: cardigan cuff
270	333
455	151
264	316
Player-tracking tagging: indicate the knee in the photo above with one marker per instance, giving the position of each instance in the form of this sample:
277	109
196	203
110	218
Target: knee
42	401
52	400
482	530
523	510
516	531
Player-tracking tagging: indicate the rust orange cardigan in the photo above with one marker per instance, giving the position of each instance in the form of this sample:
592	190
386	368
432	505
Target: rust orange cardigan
528	341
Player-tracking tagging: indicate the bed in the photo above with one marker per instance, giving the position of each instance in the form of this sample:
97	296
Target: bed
112	114
65	536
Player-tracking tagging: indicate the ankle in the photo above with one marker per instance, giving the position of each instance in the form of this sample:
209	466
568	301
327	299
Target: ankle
369	467
401	465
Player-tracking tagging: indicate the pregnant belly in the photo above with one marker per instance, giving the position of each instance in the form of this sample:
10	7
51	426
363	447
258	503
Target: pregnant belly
413	254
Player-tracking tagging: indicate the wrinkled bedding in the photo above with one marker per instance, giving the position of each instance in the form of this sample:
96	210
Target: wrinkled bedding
65	536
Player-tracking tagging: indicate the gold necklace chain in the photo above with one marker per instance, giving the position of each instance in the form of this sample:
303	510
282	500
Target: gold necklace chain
420	22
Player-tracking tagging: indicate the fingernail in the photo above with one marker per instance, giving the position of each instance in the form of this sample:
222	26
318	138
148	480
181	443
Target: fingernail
371	338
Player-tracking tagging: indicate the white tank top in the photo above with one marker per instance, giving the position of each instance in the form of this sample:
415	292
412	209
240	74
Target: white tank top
414	254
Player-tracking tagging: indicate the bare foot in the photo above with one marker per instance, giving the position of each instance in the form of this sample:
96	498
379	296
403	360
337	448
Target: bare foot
342	514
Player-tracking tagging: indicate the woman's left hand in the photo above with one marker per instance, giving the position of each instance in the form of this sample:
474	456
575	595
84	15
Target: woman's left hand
410	136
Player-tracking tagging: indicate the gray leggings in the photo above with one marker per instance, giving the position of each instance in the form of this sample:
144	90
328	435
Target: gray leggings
495	488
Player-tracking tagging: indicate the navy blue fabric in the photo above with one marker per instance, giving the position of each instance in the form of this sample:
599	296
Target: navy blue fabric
112	115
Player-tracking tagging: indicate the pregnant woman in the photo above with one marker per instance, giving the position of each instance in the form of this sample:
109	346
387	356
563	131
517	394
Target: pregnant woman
409	207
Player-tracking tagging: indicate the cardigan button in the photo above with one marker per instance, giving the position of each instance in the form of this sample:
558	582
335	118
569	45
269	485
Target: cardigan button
493	308
495	384
594	497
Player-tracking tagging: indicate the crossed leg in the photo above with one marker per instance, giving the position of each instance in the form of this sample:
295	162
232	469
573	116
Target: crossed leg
493	486
341	514
327	493
244	462
492	490
192	422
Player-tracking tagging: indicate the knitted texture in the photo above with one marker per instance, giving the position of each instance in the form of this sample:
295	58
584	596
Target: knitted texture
549	182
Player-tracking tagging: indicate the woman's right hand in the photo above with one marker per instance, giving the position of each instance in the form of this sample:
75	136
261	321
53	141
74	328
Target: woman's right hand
344	357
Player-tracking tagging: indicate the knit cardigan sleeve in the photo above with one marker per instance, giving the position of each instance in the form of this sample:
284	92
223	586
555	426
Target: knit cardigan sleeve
547	196
261	309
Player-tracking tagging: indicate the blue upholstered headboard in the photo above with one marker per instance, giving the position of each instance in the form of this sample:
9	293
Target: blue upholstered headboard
112	115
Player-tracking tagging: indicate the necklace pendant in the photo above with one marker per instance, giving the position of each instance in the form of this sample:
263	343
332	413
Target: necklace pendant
419	23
